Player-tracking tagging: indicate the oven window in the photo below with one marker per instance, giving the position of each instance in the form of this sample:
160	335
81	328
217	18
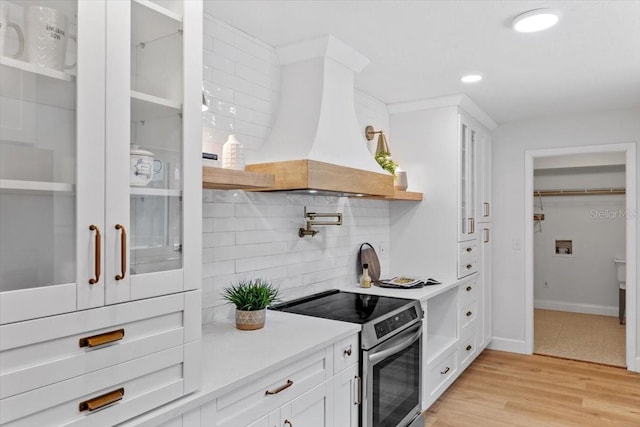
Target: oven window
396	387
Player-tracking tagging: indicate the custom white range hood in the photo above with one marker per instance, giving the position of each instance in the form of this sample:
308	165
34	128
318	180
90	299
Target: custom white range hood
316	141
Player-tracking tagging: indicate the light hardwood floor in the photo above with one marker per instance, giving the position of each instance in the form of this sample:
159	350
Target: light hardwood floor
502	389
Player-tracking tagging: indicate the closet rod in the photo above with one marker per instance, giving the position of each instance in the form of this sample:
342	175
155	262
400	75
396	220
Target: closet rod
585	192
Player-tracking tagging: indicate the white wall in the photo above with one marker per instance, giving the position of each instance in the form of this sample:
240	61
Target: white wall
585	281
510	142
250	235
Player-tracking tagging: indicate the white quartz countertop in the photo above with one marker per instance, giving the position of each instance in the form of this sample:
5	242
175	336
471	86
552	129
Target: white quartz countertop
421	294
232	358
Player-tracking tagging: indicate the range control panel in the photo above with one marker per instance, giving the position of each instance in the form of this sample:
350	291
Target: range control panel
390	324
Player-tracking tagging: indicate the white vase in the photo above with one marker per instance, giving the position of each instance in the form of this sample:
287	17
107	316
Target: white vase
400	180
233	154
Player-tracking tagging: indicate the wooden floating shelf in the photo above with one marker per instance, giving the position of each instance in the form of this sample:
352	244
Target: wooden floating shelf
230	179
411	196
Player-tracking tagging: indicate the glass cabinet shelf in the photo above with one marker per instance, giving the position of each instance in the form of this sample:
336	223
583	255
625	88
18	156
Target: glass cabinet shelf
13	185
148	107
142	191
32	68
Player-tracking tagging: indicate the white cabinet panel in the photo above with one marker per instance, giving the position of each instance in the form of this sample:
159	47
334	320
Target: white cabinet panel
347	398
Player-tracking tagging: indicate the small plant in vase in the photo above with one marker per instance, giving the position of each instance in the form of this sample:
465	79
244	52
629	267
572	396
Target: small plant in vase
251	298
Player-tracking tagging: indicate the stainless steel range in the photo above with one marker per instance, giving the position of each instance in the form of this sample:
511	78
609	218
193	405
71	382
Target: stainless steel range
391	350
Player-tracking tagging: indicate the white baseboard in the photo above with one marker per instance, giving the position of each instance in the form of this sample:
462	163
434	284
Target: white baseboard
506	344
602	310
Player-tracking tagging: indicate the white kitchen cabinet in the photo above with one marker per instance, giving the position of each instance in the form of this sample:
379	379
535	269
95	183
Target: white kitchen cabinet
443	145
485	279
75	233
347	397
99	278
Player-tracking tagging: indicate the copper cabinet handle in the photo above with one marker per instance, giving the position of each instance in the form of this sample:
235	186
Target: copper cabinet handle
288	423
279	389
473	225
96	279
358	394
469	288
486	235
469	225
486	209
101	339
469	347
469	313
123	251
445	371
469	266
102	401
469	249
347	352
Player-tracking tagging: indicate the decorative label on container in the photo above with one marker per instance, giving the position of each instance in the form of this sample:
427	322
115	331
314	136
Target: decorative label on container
233	154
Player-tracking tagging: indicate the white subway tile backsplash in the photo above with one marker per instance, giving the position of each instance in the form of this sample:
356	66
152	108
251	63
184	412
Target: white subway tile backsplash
249	235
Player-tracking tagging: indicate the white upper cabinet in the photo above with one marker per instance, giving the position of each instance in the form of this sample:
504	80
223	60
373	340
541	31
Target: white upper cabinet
86	218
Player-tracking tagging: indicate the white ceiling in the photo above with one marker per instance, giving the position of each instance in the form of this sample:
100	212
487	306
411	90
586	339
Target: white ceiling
420	49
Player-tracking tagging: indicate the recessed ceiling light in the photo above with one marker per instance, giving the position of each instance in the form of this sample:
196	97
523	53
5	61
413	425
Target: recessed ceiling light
536	20
471	78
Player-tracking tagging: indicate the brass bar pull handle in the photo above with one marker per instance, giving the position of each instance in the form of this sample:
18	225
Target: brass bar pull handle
279	389
469	225
102	339
486	209
469	288
486	235
98	255
469	347
445	371
288	423
473	225
123	251
358	392
102	401
469	313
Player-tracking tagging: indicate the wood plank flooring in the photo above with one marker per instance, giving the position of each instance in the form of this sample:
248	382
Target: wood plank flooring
502	389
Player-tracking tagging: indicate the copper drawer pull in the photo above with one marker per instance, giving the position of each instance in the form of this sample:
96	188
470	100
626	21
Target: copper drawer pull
469	266
288	423
102	401
357	381
469	347
486	209
469	288
123	251
96	279
101	339
486	235
445	371
347	352
279	389
469	313
469	249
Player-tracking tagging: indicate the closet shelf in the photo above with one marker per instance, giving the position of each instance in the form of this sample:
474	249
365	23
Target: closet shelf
579	192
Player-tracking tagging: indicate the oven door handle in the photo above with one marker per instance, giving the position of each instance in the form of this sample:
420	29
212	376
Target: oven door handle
376	357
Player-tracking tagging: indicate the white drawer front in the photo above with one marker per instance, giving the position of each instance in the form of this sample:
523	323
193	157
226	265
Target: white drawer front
441	374
468	292
468	315
239	406
468	349
146	382
44	351
346	353
467	250
467	267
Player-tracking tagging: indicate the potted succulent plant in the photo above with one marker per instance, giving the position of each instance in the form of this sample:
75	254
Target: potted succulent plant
251	298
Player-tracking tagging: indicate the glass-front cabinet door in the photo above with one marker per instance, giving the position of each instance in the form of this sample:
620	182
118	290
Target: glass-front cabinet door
51	103
94	118
468	140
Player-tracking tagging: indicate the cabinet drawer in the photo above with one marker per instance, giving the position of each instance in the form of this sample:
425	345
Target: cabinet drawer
241	405
468	315
145	383
441	373
468	348
468	292
345	353
467	264
44	351
467	250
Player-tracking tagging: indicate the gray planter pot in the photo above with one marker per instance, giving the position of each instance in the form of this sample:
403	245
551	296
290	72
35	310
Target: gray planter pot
250	320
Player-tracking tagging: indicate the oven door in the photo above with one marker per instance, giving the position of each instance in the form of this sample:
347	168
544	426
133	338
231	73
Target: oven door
392	371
